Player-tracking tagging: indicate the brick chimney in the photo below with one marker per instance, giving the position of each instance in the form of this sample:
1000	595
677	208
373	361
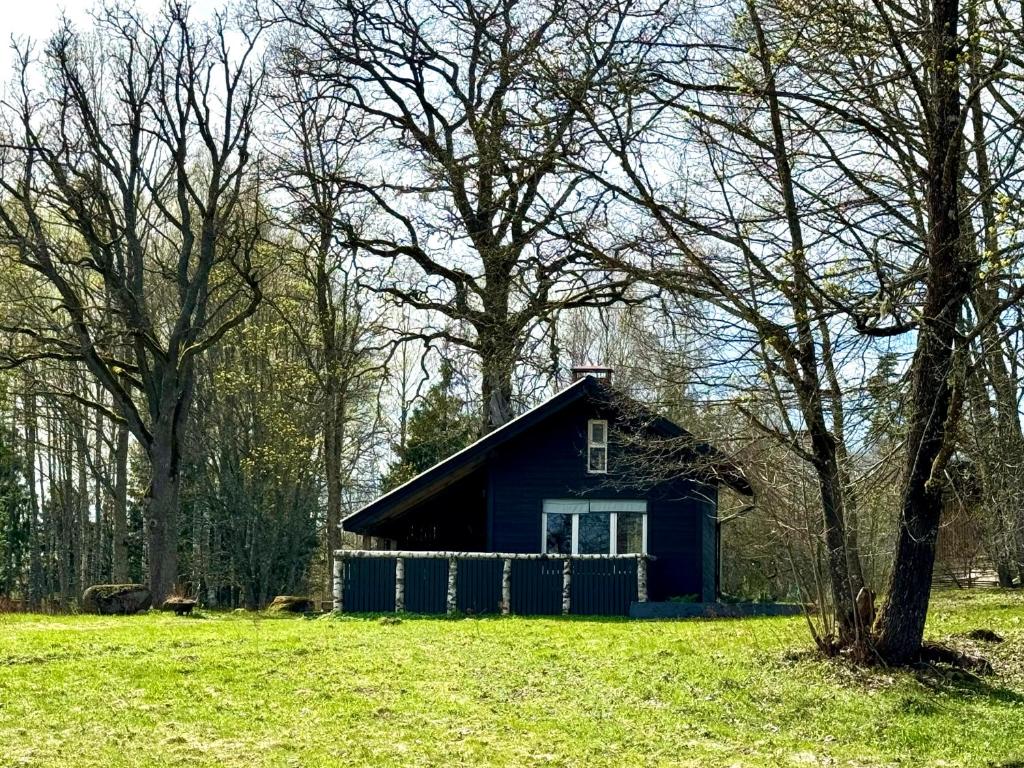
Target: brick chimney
601	373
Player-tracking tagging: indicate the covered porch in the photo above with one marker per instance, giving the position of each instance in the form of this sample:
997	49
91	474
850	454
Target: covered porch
450	515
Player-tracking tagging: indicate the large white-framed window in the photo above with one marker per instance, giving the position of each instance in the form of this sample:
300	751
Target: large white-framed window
597	446
594	527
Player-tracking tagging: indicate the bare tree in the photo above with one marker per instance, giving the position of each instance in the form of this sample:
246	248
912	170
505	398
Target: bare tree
909	75
346	349
468	111
733	236
839	169
994	440
129	186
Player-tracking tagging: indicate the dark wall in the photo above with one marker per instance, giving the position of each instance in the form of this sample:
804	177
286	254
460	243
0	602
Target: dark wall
675	536
709	539
549	462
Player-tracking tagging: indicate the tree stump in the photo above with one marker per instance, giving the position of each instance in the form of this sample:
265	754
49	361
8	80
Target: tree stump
116	599
291	604
182	606
865	603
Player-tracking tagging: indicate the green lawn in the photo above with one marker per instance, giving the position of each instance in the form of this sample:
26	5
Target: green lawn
240	690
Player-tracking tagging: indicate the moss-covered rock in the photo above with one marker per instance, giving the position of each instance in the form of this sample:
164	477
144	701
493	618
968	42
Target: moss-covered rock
291	604
116	599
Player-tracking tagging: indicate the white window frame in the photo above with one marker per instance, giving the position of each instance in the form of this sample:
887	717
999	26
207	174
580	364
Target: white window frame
592	444
614	545
576	507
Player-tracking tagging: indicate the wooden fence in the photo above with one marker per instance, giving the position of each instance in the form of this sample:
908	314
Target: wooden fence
375	581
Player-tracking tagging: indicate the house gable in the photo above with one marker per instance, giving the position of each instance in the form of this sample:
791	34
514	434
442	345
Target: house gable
462	463
550	462
490	496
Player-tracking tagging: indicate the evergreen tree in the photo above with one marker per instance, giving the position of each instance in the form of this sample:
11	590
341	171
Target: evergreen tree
439	426
15	509
885	402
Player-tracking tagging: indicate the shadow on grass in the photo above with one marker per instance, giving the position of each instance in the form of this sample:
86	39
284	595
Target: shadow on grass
958	684
488	617
571	618
940	681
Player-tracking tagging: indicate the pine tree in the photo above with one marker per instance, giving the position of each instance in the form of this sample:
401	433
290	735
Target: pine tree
15	508
439	426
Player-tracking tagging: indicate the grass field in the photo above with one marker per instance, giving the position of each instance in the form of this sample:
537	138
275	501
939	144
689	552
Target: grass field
251	691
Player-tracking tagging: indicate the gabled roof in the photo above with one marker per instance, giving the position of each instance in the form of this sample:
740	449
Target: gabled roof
473	456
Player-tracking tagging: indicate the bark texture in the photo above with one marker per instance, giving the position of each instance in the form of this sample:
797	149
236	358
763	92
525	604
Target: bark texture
934	405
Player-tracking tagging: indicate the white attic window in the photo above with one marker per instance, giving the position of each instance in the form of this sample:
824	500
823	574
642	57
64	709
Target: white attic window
597	446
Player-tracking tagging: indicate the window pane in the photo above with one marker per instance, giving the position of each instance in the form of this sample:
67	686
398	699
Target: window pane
598	459
629	534
597	432
595	533
559	534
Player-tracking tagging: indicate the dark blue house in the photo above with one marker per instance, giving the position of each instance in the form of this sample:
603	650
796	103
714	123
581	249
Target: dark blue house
589	482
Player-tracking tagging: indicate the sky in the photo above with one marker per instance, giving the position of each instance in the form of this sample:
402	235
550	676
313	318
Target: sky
38	18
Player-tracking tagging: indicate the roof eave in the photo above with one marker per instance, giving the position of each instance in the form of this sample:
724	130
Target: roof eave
399	499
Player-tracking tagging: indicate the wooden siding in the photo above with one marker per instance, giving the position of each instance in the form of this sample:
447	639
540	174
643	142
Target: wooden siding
674	538
478	587
426	580
603	587
549	462
709	541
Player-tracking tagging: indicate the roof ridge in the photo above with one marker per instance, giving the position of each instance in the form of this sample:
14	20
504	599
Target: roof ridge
475	453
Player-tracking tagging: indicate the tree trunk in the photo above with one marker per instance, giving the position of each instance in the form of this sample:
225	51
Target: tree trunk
36	577
854	565
497	358
119	537
83	529
497	398
1004	573
100	529
65	514
933	409
1020	549
162	520
333	446
837	554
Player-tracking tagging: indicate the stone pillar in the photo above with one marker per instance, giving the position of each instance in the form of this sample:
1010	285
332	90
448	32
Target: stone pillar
506	587
339	582
452	604
566	585
399	584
